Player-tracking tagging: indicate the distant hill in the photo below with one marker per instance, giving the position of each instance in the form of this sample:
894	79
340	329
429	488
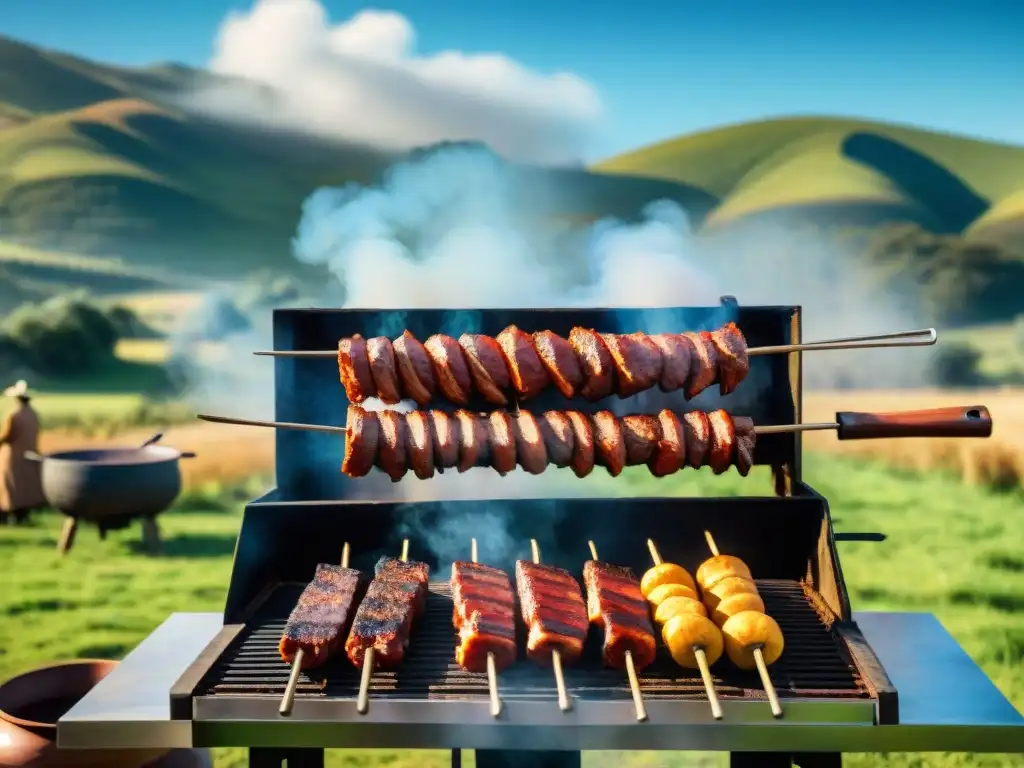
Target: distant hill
847	172
106	181
100	161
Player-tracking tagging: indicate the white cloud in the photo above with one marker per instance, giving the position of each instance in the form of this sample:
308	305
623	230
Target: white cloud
363	80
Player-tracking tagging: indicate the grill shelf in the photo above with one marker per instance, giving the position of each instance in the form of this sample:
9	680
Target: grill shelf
815	664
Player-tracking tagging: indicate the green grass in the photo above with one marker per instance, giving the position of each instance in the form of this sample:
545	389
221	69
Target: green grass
951	550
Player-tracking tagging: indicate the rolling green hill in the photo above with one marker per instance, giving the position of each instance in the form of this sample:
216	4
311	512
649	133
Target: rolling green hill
846	171
106	181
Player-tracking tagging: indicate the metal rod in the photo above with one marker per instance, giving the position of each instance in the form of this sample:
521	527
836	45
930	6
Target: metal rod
772	429
917	338
709	682
293	682
492	667
766	681
293	679
564	702
363	700
698	651
711	543
634	680
920	338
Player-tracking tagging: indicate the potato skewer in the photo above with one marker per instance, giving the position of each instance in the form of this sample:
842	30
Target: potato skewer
634	680
687	620
492	669
748	632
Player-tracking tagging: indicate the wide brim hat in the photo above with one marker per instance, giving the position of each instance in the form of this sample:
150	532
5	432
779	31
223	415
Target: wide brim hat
18	389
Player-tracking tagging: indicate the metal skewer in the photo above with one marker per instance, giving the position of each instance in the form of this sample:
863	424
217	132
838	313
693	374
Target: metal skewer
634	680
767	430
363	700
293	679
698	652
492	670
918	338
762	668
564	702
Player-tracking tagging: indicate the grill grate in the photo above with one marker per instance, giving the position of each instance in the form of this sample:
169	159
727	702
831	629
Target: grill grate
815	663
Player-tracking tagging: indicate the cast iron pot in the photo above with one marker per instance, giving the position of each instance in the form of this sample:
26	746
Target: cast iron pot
112	483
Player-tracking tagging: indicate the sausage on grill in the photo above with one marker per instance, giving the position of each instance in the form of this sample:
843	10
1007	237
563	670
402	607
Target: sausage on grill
318	622
615	604
362	432
484	616
415	370
486	366
529	376
427	440
384	369
553	612
394	600
587	363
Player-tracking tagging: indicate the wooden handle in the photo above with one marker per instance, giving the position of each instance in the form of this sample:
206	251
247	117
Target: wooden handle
964	421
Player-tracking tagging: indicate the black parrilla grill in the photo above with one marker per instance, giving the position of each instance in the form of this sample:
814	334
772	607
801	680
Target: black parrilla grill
815	662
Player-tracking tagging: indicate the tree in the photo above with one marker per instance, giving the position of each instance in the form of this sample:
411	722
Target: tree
957	365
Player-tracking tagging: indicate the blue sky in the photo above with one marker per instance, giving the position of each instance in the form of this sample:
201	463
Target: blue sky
662	67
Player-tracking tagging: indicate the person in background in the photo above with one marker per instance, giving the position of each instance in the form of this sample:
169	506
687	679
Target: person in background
21	488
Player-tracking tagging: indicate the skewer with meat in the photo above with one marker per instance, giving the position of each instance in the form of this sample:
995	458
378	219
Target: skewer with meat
425	441
752	639
318	621
396	442
587	363
484	616
380	630
555	616
617	607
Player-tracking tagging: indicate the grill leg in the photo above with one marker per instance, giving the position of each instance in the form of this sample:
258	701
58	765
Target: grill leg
494	758
818	760
272	757
760	760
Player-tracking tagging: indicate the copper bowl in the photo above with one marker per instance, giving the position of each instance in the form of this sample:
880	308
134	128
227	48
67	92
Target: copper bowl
32	703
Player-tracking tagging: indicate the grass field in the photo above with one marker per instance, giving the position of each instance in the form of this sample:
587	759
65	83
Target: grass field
952	549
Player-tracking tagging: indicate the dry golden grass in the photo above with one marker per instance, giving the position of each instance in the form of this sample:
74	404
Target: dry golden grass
997	461
224	454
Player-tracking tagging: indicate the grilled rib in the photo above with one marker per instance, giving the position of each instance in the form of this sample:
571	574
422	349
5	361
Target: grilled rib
394	600
616	605
423	440
587	363
318	622
483	615
553	611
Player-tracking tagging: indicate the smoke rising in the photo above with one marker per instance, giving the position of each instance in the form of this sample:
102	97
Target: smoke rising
362	80
455	229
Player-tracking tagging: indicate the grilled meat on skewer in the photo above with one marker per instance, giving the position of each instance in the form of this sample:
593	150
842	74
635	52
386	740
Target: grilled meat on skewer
425	440
553	611
616	605
317	624
587	363
394	600
484	616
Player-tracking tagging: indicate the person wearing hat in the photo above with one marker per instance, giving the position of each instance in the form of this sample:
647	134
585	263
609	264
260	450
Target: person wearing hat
21	488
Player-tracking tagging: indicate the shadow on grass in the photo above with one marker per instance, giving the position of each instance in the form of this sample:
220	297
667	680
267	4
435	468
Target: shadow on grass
190	545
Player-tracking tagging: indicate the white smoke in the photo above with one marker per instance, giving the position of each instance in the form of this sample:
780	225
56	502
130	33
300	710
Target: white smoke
363	80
